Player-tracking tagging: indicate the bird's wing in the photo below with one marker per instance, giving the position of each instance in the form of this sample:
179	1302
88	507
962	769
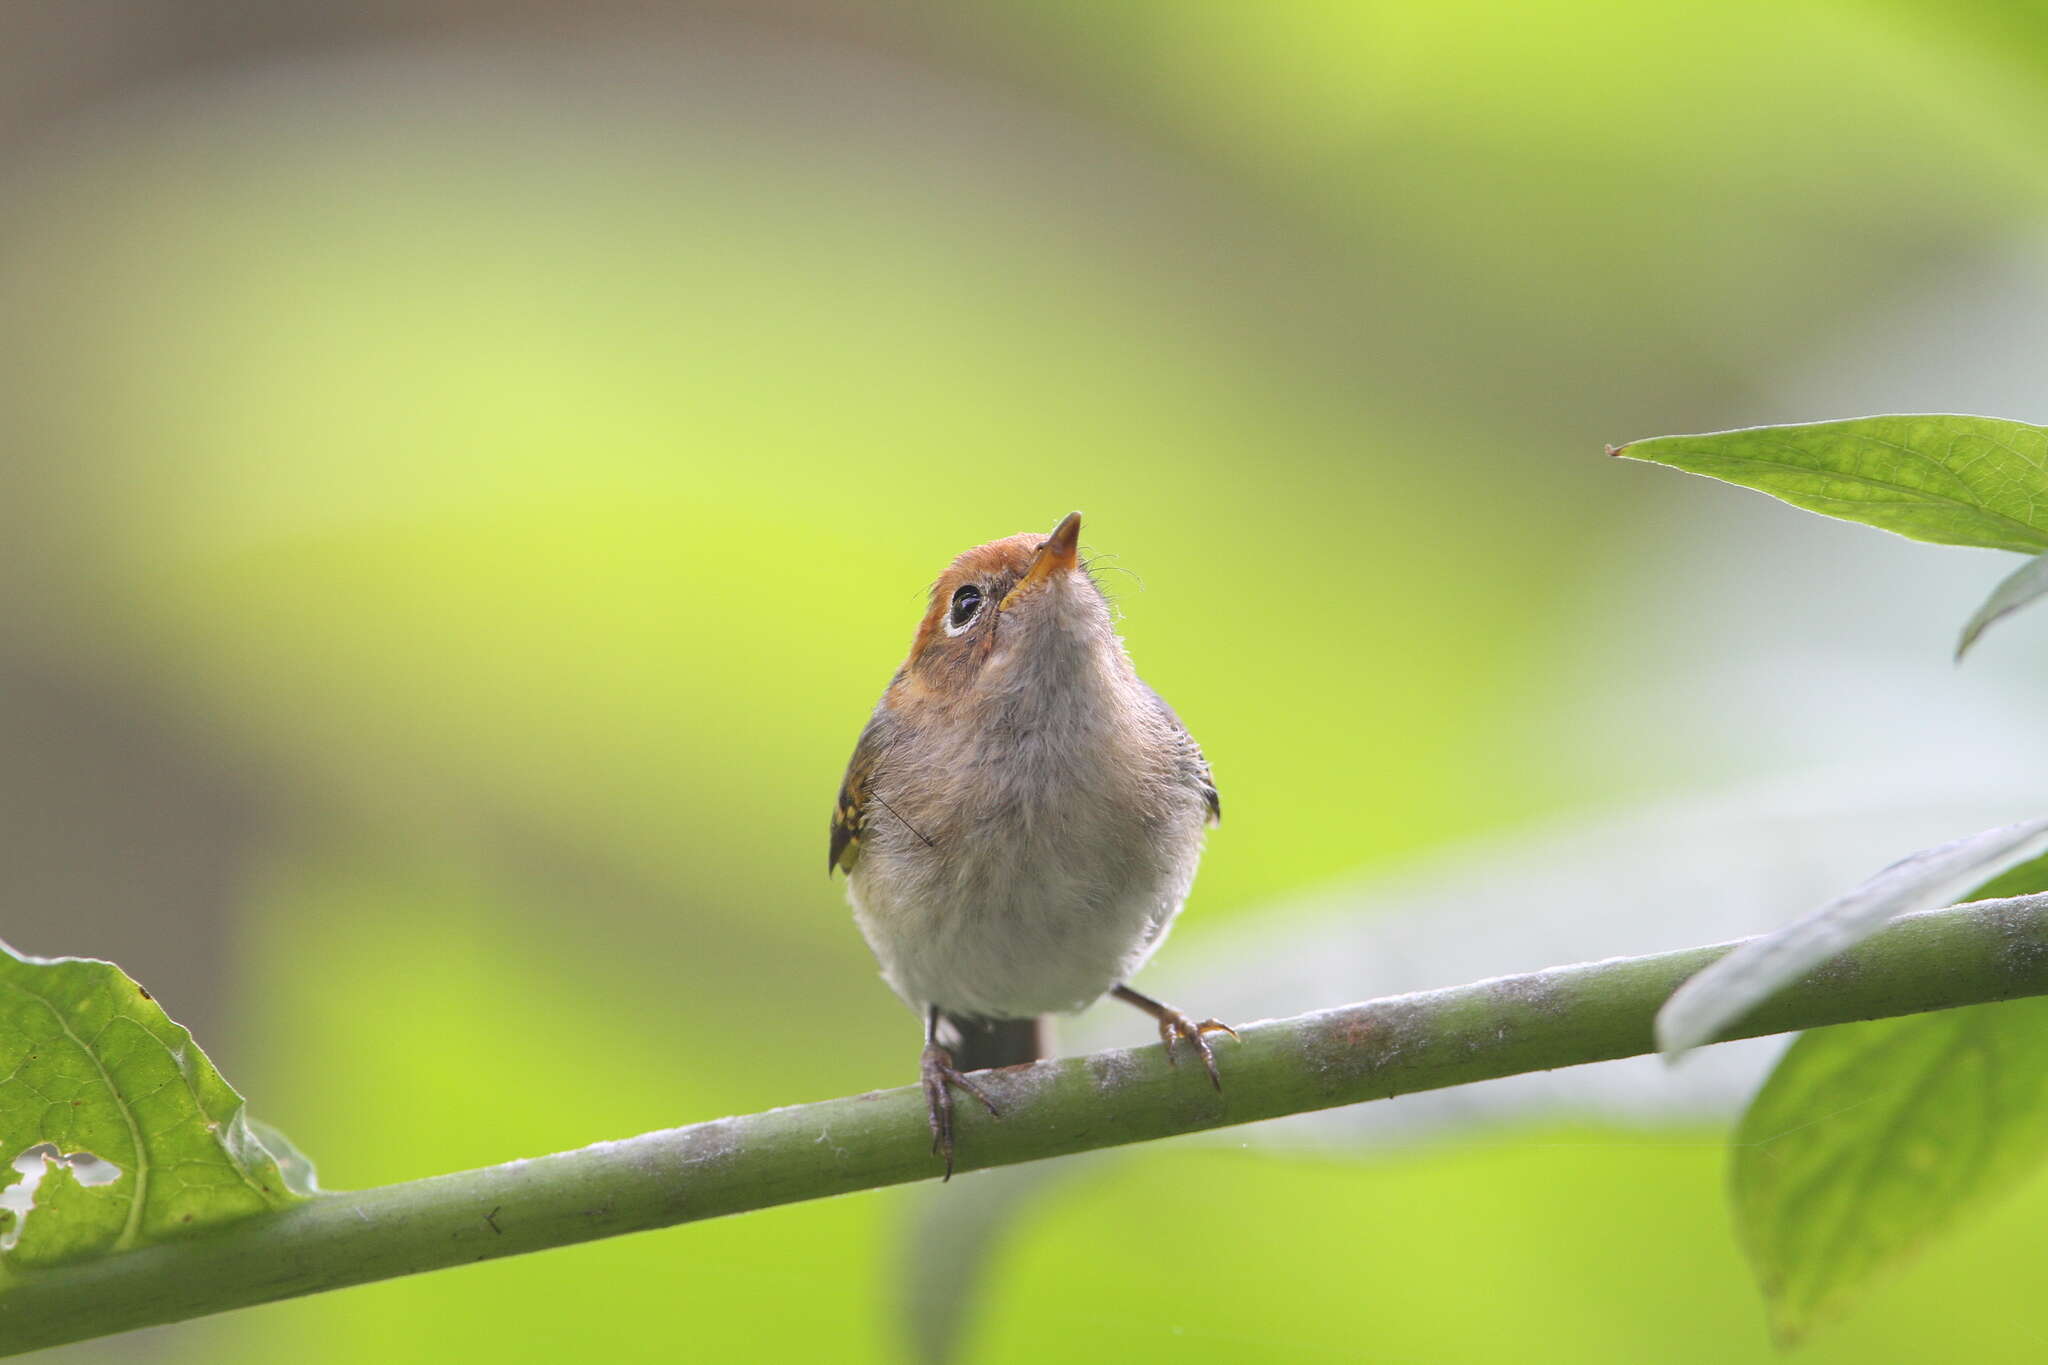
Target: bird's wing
849	812
1193	764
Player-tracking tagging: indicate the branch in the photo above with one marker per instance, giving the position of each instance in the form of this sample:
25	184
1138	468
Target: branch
1566	1016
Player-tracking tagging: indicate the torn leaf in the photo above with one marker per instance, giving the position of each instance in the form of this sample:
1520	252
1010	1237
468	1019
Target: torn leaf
115	1129
18	1200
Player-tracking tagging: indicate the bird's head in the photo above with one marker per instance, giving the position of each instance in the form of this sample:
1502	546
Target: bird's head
1021	601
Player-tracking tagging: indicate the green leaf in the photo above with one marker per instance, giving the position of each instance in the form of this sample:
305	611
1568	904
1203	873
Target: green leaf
1946	479
1869	1139
115	1130
1703	1008
2020	587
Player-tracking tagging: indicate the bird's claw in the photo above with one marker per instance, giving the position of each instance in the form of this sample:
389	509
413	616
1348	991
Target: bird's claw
940	1076
1175	1026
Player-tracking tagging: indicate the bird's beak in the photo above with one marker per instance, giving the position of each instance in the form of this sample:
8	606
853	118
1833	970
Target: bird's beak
1059	554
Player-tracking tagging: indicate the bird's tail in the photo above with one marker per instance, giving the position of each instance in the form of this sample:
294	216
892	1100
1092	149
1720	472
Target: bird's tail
983	1043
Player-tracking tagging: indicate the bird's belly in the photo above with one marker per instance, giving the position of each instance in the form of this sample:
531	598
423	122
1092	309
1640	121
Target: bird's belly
1024	917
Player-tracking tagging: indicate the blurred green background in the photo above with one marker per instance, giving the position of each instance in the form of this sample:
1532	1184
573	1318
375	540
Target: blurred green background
469	468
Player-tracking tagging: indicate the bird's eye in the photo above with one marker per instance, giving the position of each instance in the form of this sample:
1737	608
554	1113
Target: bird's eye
966	606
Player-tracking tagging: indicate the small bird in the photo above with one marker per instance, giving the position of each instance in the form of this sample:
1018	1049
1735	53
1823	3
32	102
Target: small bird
1021	819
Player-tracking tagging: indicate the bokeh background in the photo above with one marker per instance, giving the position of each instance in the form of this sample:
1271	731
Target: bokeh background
467	469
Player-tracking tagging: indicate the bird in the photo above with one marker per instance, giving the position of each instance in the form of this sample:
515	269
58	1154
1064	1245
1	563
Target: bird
1021	819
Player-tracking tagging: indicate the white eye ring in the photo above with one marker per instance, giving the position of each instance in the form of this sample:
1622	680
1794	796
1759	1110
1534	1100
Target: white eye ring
966	608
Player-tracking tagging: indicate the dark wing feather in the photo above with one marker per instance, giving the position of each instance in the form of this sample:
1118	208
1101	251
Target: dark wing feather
1193	764
849	812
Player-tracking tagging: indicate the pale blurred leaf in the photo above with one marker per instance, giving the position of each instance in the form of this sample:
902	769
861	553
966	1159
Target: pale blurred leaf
2020	587
1704	1006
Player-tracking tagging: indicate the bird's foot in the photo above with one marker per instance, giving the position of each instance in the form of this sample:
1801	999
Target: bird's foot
940	1076
1175	1026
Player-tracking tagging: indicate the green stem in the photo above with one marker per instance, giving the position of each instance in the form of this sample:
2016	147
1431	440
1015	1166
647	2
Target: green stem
1566	1016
